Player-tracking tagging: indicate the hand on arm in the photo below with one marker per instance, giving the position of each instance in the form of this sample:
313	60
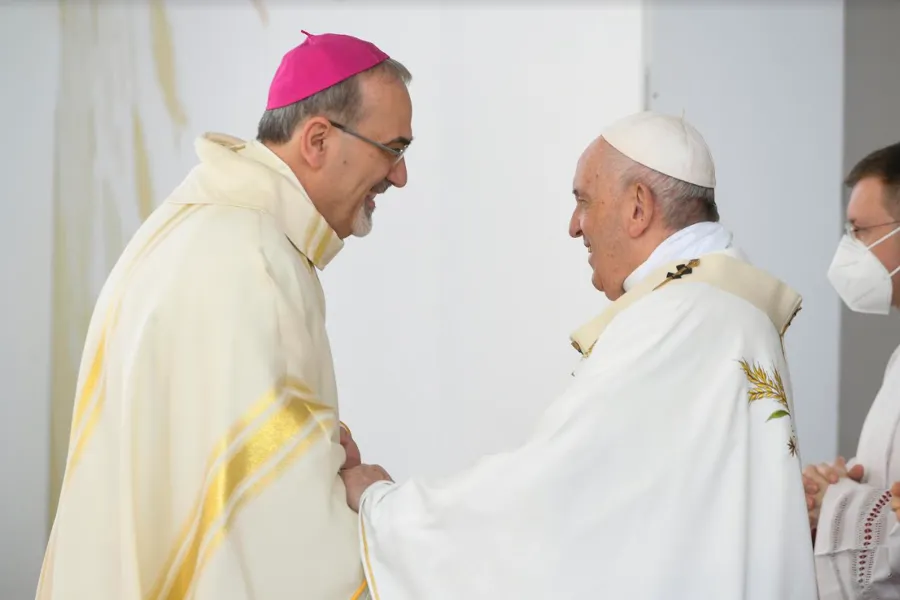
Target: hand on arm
817	478
358	479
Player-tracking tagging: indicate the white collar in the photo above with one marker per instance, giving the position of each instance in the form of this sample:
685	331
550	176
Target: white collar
690	242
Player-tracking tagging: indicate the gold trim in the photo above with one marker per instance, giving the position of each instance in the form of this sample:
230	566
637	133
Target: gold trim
232	466
680	271
86	414
357	595
734	276
365	541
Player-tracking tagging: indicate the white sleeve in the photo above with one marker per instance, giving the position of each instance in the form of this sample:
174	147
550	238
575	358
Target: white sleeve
857	544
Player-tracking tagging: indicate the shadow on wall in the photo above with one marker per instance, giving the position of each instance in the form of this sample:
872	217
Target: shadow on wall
102	186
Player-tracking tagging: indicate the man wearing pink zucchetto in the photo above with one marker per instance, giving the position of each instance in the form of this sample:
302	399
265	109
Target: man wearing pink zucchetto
206	444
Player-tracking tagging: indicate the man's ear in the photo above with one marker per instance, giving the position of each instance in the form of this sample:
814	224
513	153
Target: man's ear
643	205
312	138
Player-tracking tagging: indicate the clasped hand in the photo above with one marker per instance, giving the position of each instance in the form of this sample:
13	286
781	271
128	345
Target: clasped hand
357	477
817	478
895	501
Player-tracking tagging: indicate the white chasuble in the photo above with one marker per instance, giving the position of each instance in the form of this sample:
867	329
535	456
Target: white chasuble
204	450
668	470
858	537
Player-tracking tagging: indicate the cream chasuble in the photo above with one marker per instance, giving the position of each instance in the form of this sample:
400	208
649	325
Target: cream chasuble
205	448
668	469
858	537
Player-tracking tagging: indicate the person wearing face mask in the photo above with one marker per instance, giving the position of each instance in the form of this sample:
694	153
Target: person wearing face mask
206	450
857	536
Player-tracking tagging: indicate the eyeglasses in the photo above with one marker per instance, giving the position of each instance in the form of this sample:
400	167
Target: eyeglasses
396	153
852	229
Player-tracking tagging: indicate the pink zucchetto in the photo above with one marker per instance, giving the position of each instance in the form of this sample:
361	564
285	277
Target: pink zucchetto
320	62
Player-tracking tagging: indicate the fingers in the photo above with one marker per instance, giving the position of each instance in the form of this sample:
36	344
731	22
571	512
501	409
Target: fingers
830	473
856	473
895	501
810	487
813	475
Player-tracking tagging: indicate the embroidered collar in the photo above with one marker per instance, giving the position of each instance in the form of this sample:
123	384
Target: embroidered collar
719	269
248	174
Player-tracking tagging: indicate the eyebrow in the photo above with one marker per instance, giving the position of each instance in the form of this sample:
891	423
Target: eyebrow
400	140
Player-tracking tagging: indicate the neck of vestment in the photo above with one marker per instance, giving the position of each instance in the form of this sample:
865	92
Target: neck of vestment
247	174
726	270
690	242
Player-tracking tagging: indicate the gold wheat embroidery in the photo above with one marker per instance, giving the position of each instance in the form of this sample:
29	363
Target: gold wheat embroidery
764	385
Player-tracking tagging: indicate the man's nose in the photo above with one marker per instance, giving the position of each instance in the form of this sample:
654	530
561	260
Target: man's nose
575	226
397	175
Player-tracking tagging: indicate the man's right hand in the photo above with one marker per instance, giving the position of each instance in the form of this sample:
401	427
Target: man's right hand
358	479
895	501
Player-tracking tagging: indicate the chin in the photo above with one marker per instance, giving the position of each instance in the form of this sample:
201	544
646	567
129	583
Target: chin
610	295
362	224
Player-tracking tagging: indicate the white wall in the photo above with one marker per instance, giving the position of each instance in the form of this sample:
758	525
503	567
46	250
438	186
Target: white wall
449	323
765	86
26	118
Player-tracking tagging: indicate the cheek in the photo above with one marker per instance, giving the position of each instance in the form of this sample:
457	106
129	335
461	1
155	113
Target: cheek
888	253
592	225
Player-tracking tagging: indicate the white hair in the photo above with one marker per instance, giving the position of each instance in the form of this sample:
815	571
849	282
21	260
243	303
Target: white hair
683	203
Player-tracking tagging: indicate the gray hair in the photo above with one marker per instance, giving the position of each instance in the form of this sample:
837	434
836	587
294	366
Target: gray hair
341	102
683	203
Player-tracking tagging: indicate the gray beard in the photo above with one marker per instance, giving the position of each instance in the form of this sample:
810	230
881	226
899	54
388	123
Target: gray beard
362	223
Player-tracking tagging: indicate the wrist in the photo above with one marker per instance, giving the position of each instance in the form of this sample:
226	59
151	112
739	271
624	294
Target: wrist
375	491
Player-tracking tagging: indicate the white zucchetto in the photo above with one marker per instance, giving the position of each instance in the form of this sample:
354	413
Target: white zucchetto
667	144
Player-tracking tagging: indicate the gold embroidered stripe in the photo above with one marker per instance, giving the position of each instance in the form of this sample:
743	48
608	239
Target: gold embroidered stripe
322	246
220	450
359	592
325	420
309	238
96	363
365	541
86	413
249	458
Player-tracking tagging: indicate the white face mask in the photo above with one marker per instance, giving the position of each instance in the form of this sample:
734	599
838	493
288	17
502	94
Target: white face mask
859	278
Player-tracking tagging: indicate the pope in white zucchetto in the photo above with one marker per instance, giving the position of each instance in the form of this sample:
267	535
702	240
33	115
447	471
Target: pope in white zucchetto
669	468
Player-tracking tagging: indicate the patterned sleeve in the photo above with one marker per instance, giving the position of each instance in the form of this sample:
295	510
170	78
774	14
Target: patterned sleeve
857	544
